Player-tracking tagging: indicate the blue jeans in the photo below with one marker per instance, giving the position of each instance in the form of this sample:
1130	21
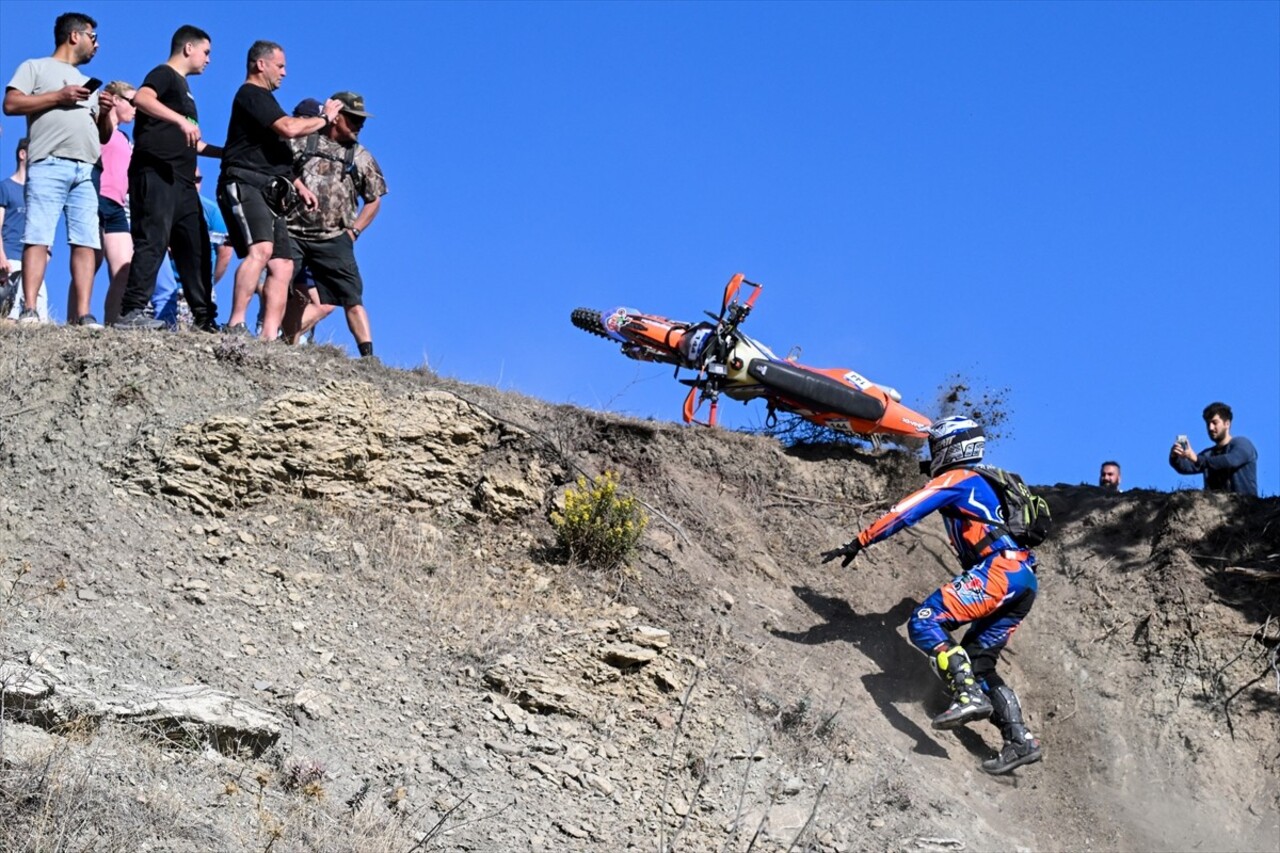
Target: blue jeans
57	186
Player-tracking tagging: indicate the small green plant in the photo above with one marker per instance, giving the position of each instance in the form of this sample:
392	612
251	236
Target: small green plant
598	525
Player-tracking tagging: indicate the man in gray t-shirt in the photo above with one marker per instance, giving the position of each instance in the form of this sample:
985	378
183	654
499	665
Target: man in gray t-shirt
67	122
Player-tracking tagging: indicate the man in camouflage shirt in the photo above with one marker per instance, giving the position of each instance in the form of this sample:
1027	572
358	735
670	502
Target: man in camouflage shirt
342	174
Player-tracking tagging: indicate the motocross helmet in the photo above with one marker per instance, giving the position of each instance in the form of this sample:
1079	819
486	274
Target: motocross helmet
953	442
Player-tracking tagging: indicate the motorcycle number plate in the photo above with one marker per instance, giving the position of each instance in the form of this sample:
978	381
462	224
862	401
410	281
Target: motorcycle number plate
857	380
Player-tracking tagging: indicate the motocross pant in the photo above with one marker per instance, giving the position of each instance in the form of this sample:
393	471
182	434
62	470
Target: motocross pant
992	598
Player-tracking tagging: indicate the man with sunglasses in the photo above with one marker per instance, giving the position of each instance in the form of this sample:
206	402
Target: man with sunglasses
67	122
341	173
164	204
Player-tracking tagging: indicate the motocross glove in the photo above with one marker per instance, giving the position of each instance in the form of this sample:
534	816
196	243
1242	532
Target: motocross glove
847	551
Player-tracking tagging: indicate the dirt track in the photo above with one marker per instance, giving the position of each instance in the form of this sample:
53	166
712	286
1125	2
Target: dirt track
364	555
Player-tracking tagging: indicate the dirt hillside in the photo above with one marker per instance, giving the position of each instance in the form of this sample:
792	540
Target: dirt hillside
272	599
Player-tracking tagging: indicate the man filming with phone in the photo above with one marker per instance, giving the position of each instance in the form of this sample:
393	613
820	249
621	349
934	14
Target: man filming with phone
1230	464
68	120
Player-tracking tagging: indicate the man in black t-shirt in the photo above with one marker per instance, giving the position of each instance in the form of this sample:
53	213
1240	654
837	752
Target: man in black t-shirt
164	204
256	156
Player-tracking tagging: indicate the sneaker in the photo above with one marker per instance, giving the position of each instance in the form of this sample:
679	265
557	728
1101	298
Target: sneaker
138	319
1013	754
29	316
969	705
88	321
239	330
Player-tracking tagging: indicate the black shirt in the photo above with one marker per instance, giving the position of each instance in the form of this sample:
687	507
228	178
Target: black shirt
160	144
251	143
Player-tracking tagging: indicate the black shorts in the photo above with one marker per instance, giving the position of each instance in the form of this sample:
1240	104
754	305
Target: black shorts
113	216
250	221
333	268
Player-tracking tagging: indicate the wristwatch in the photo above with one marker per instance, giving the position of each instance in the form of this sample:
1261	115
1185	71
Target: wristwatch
355	233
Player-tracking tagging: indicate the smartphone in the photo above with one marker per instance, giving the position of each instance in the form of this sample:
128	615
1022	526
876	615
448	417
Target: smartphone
1182	440
92	84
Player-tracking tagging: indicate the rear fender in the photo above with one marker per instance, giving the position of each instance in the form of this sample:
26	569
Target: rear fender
629	326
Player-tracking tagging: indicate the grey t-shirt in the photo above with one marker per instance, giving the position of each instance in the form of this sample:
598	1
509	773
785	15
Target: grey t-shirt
69	132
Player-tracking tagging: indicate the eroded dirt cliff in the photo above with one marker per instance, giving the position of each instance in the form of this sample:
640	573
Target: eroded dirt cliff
255	597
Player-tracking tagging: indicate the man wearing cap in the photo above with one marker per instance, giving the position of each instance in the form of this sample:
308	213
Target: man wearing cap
341	173
257	157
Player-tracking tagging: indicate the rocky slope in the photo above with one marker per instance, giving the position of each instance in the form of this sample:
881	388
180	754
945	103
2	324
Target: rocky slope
262	598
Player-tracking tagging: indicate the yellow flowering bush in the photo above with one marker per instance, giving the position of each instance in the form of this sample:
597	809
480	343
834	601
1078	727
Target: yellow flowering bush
598	525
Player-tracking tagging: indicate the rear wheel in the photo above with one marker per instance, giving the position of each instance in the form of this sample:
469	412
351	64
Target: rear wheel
588	320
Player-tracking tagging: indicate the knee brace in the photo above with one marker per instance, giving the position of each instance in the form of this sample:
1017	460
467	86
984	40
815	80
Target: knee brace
954	668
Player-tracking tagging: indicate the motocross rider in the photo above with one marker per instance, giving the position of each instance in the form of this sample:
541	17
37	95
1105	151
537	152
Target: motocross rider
992	595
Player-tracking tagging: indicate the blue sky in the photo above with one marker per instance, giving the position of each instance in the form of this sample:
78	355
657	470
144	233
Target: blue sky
1077	201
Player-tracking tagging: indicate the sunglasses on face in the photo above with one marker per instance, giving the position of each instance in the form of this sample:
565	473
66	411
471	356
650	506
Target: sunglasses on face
90	34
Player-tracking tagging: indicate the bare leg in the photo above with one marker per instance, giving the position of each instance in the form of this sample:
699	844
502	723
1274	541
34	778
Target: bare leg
279	274
358	323
81	292
119	251
35	260
246	284
293	310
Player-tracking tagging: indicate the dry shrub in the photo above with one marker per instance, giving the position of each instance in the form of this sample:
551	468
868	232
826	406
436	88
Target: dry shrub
598	525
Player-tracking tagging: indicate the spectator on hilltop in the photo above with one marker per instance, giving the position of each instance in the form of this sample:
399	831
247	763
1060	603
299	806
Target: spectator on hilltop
67	122
302	280
13	221
163	199
1109	476
258	166
349	186
113	195
1229	464
169	305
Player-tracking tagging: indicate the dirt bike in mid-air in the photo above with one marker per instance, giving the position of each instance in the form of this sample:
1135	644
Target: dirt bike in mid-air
726	361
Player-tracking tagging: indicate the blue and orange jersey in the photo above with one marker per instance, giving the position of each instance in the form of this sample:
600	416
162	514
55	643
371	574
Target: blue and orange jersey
970	509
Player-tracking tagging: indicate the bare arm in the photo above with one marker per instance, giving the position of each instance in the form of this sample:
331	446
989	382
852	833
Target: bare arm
291	127
19	104
365	218
148	102
4	260
106	103
222	259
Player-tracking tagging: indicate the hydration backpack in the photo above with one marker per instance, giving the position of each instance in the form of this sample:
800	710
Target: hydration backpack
312	149
1026	514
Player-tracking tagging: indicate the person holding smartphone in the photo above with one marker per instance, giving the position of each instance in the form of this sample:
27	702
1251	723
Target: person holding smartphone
1230	464
67	123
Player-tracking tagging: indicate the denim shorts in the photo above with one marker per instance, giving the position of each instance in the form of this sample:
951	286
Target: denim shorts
115	219
55	186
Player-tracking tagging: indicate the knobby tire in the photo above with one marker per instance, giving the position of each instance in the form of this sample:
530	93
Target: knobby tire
588	320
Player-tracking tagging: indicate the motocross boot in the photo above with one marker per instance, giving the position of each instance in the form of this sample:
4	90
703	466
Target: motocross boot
968	702
1020	746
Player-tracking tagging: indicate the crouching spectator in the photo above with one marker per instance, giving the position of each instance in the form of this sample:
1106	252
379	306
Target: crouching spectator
342	174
